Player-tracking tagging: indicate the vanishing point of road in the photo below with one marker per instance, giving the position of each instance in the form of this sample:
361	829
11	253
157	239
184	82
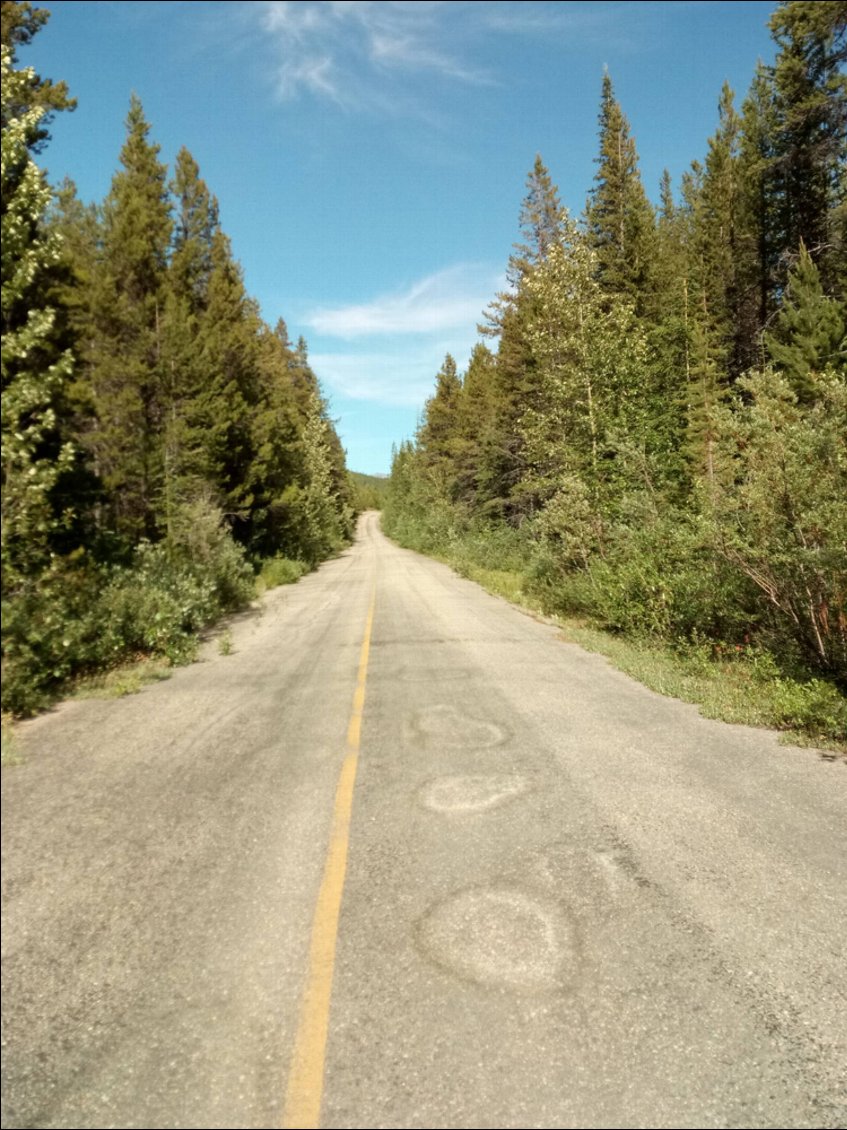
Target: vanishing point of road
406	858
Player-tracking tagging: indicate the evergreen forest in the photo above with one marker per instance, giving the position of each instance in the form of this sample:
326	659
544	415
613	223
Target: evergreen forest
161	445
652	434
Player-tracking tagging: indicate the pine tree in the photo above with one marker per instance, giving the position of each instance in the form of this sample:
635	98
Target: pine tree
127	307
438	435
810	147
669	329
715	238
184	303
323	531
227	345
277	440
515	385
476	419
758	242
539	222
196	222
619	216
808	336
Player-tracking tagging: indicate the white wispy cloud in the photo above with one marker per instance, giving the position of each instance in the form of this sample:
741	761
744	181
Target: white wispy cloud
447	300
347	51
389	350
396	377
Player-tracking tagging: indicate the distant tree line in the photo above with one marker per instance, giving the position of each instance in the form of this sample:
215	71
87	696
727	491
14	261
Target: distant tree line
159	440
658	432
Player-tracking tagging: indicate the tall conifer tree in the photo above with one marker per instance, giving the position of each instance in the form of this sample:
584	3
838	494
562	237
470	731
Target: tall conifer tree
515	375
808	336
620	217
127	309
810	149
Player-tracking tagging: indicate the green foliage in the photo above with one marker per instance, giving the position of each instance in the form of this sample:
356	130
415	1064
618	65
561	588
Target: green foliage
200	545
810	136
47	634
809	334
20	22
620	217
280	571
34	452
126	299
152	607
324	524
76	618
438	438
777	512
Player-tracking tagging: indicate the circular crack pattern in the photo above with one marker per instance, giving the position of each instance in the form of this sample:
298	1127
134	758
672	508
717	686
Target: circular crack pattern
501	938
467	794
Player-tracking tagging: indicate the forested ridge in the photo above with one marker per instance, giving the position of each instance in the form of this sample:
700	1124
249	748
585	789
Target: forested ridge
655	439
160	443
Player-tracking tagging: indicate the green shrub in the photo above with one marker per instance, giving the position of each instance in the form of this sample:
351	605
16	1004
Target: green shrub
154	608
76	617
46	633
777	512
280	571
200	545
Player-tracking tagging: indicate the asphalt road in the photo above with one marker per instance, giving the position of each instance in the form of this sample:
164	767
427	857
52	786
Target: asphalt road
567	901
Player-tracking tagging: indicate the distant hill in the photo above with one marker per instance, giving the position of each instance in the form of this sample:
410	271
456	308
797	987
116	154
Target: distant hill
368	490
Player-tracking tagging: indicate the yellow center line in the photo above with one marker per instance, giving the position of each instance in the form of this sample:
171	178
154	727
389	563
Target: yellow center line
305	1076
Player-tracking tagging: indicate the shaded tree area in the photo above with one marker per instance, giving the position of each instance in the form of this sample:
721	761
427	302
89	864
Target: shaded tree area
159	439
656	434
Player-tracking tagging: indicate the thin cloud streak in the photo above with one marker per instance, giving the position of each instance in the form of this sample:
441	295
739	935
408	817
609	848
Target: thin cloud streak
394	378
447	300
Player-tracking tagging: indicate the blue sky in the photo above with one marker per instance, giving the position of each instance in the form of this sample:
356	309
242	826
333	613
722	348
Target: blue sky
370	158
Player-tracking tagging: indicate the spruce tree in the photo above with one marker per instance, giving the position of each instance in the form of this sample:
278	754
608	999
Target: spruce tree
183	374
620	218
127	308
227	346
476	410
758	244
323	526
438	435
810	147
515	385
539	222
715	238
195	225
591	353
669	328
808	336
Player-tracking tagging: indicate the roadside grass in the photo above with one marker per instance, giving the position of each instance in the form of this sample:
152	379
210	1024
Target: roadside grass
10	750
277	571
128	678
734	687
